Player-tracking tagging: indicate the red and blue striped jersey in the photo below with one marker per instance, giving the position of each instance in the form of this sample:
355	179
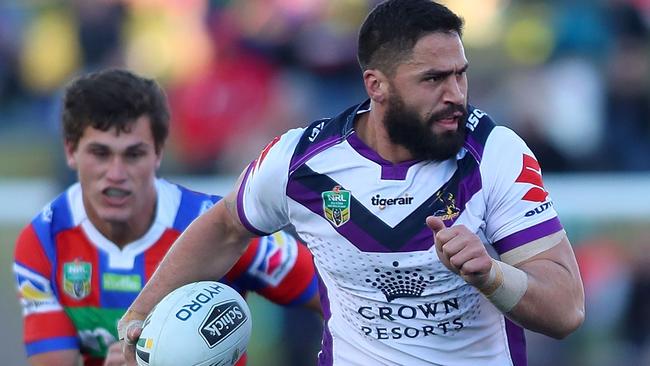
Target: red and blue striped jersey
74	284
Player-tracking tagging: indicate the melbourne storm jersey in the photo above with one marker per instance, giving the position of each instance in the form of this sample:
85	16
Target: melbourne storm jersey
387	299
74	284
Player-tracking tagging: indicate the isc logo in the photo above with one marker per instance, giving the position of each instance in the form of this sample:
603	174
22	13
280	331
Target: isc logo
474	118
315	131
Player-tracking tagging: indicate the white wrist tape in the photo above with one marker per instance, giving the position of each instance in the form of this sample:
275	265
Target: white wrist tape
507	285
123	329
129	320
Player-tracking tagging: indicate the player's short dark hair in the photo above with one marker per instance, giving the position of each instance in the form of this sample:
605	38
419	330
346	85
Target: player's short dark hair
393	27
114	98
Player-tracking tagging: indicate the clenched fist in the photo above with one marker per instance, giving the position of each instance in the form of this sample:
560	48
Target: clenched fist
462	252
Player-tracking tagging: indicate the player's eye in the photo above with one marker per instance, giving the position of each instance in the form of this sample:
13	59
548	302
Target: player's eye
99	153
134	155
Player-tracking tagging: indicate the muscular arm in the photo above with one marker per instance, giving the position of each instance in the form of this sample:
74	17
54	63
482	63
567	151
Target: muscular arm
554	302
206	250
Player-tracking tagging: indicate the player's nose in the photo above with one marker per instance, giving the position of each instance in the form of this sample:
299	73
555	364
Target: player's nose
454	91
116	170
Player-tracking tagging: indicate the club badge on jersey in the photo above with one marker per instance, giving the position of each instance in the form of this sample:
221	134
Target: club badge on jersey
450	211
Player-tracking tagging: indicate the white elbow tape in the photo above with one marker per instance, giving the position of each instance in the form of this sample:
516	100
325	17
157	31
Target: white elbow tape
507	286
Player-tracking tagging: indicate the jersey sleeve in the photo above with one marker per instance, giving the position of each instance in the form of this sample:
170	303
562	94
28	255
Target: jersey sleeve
46	325
261	200
519	209
278	267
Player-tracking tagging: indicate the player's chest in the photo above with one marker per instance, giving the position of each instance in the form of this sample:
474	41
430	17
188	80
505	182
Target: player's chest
87	275
359	203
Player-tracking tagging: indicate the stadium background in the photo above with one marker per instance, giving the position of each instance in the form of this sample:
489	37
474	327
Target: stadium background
572	77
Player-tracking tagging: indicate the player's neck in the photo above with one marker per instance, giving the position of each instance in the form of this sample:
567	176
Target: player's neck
370	128
122	233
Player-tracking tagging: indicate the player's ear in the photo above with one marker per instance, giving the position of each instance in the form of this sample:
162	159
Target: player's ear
159	156
70	149
376	84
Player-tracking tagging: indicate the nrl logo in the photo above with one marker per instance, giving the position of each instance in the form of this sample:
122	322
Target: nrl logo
76	279
336	206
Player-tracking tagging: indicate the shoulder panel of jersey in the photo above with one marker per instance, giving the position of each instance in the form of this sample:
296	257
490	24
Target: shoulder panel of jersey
323	134
46	326
478	127
35	249
192	205
277	267
262	206
519	210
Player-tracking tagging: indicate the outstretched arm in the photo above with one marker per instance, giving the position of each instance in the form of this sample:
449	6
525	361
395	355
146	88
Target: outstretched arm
283	269
207	249
543	293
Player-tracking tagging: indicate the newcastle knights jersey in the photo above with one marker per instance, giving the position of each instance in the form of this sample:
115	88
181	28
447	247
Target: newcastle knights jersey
386	297
74	284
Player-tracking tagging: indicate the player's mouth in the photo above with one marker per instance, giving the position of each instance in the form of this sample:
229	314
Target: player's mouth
448	123
115	196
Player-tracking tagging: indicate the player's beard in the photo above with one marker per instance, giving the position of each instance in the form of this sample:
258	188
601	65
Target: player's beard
406	128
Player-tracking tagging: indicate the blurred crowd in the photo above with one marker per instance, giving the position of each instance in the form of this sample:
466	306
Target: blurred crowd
572	77
614	264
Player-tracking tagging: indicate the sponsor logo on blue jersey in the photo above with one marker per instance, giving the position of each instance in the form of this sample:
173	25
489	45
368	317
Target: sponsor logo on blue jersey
35	292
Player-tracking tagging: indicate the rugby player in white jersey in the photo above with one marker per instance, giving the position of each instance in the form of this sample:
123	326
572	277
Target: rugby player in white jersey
433	235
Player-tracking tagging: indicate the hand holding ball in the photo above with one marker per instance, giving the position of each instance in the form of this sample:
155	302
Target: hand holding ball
201	323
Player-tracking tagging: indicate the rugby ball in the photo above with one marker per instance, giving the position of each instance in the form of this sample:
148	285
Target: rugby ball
198	324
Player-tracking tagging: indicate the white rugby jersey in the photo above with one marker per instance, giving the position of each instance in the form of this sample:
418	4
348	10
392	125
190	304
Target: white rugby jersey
387	299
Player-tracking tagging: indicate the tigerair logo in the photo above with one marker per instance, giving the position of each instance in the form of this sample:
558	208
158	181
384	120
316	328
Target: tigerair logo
531	173
382	203
398	283
449	210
